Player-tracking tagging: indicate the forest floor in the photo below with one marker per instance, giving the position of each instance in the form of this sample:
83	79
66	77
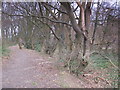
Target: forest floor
29	69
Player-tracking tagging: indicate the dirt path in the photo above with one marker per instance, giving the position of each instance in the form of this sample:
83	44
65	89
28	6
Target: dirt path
30	69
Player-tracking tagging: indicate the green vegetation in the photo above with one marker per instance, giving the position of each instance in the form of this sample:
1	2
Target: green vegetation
4	51
114	77
28	45
37	47
99	61
34	83
110	72
102	62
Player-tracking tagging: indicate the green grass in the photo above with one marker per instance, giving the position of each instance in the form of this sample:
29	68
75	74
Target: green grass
99	61
4	51
102	62
115	78
34	83
37	47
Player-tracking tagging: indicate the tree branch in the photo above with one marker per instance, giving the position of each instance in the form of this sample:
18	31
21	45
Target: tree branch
51	30
49	10
72	18
56	21
40	17
57	9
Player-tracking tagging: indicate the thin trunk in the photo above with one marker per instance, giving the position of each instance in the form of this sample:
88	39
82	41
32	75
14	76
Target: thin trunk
96	21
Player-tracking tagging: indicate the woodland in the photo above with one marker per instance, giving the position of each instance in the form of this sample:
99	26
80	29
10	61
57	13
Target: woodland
77	35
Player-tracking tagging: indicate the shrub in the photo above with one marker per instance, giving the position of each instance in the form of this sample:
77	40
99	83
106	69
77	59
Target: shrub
37	47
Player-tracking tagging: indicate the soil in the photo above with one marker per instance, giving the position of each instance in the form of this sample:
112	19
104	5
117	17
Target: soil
30	69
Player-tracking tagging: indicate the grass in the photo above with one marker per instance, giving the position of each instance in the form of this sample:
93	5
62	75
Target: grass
109	71
114	76
102	62
37	47
4	51
34	83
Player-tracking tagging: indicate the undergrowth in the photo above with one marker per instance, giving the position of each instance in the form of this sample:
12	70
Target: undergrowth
4	51
110	72
102	62
37	47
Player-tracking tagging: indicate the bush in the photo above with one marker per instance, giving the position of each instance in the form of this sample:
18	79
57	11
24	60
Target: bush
37	47
28	45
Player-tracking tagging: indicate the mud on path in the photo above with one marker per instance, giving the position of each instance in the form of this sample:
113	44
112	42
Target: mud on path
30	69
